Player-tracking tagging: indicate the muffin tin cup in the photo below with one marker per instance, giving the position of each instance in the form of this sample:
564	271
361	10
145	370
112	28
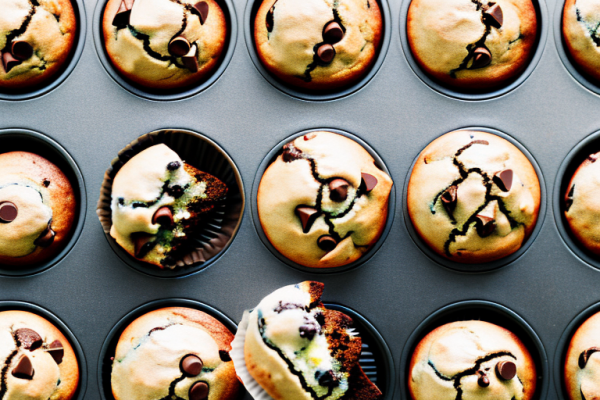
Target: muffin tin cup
109	346
34	142
272	156
375	359
489	266
252	7
472	95
480	310
171	94
216	234
62	75
42	312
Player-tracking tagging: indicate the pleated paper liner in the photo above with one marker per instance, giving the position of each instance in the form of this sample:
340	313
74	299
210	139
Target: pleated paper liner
217	231
375	359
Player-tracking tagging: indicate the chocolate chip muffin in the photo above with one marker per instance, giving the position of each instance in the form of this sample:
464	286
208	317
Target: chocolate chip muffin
323	202
37	209
318	44
582	362
473	197
174	353
581	37
471	360
164	44
295	348
38	362
36	39
472	44
158	202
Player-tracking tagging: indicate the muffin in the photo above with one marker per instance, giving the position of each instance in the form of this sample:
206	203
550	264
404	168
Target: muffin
323	202
36	41
473	197
472	45
38	361
471	360
580	34
164	44
318	45
582	362
296	349
37	209
174	353
158	203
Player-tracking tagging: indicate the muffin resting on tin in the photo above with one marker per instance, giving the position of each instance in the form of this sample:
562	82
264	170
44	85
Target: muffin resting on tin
164	44
174	353
37	209
469	44
38	362
581	37
582	362
296	349
36	40
318	44
473	197
158	203
323	202
471	360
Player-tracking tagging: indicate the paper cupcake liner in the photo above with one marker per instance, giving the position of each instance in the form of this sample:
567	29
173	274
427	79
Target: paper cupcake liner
217	231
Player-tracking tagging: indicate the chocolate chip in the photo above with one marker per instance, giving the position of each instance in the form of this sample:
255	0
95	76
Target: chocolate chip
325	52
333	33
8	61
46	238
493	16
173	165
291	153
307	216
309	136
175	191
8	212
190	60
485	225
338	190
121	19
56	350
202	8
142	243
24	369
163	216
46	183
21	50
269	22
308	332
179	46
327	378
481	58
449	199
198	391
320	317
585	356
191	365
327	243
224	355
569	198
28	338
367	182
506	370
483	380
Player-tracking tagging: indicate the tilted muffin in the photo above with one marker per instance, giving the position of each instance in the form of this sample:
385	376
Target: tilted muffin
582	362
37	209
471	360
472	44
36	39
473	197
296	349
323	202
174	353
318	44
38	362
158	201
163	44
580	33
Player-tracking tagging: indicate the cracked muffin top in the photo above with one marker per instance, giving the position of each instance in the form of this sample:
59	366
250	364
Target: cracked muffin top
164	44
296	349
36	40
581	19
318	44
472	44
174	353
37	209
38	362
582	362
158	203
473	197
471	360
323	202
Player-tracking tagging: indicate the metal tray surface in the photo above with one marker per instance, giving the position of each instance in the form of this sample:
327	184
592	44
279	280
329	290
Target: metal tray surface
92	117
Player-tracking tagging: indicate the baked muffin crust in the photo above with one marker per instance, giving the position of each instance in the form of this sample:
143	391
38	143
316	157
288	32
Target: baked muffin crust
582	361
580	33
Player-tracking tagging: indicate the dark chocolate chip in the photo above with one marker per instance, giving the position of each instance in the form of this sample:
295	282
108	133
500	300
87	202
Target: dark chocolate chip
142	243
593	157
506	370
163	216
320	317
307	216
191	365
485	225
269	22
224	355
308	332
8	212
367	182
24	368
173	165
585	356
46	183
121	201
179	46
327	243
46	238
338	190
327	378
291	153
175	191
21	50
8	61
28	338
481	58
190	60
199	391
333	33
493	16
121	19
569	198
326	53
450	198
482	379
202	8
504	179
56	350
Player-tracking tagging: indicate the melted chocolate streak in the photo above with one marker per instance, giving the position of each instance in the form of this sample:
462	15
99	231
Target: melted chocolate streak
471	47
487	181
593	31
21	30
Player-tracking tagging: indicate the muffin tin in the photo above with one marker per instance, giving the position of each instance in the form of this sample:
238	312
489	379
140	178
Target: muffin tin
397	113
